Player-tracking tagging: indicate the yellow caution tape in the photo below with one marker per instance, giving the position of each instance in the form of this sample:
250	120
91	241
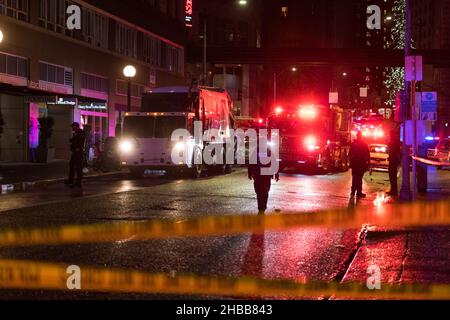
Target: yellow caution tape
45	276
405	215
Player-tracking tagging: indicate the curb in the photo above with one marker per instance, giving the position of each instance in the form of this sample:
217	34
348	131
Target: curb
28	185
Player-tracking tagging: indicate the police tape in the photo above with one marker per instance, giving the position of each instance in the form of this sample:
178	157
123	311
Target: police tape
432	162
56	277
403	215
421	214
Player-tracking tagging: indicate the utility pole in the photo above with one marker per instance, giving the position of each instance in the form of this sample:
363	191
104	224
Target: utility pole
405	192
205	71
414	145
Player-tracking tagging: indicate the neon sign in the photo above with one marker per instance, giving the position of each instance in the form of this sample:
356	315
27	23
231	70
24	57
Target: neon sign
188	16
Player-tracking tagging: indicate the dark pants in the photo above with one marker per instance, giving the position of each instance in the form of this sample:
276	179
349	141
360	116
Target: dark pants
262	187
76	167
393	170
357	181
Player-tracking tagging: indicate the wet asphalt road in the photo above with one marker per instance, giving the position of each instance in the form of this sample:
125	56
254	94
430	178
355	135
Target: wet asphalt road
305	253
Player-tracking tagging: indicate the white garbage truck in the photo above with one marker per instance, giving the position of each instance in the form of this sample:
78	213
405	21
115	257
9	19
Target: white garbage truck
149	140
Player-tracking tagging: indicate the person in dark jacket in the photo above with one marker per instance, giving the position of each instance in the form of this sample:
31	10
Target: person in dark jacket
359	161
262	183
77	144
394	151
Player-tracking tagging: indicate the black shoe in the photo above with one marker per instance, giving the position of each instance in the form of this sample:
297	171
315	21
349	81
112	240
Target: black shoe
361	196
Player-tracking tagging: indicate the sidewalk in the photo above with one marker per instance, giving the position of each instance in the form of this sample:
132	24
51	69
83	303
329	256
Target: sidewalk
419	255
24	176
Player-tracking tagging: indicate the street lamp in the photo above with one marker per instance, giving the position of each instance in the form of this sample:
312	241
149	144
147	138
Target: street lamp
1	36
243	2
275	76
129	72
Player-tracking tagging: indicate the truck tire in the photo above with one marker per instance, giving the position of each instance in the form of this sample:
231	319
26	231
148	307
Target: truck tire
196	172
326	166
345	165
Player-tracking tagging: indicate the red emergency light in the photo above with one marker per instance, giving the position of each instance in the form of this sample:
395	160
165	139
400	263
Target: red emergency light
307	112
311	143
278	110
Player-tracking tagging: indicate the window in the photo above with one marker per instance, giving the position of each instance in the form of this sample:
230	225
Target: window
52	15
13	65
95	83
95	29
55	74
173	59
126	40
17	9
151	50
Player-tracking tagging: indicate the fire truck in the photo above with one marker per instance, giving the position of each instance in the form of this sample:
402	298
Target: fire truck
147	144
313	136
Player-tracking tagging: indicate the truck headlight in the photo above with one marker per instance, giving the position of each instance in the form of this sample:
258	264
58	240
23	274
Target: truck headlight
179	146
126	146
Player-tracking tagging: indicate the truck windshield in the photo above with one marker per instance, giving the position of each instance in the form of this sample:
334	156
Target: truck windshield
165	102
153	127
165	126
139	127
292	126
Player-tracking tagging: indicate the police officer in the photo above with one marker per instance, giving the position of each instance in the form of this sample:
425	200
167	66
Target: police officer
394	151
77	159
261	182
359	161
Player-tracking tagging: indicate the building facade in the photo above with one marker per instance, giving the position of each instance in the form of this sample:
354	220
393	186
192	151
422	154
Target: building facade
49	70
431	30
227	24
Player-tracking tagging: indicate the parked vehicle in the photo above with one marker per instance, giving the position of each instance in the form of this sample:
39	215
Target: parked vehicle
379	157
442	152
314	136
147	135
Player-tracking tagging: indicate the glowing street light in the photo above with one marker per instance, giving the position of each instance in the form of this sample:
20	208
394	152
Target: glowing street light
129	72
1	36
243	2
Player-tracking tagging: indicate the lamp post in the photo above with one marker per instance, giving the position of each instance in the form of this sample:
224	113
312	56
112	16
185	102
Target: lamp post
275	77
129	72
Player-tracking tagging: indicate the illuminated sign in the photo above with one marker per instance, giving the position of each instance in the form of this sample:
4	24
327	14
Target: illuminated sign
188	17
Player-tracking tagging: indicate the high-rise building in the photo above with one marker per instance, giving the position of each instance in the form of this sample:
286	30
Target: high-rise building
226	24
